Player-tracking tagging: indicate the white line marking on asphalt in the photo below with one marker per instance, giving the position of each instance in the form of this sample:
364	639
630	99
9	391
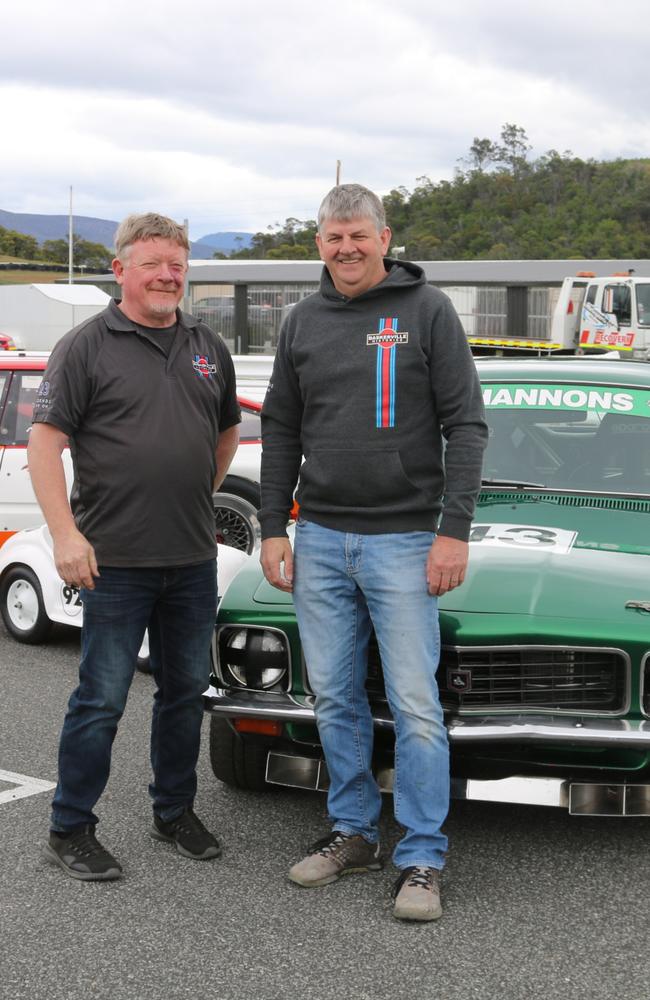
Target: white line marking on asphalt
24	786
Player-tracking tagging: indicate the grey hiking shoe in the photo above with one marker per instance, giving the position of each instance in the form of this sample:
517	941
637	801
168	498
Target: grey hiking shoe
81	856
335	855
417	894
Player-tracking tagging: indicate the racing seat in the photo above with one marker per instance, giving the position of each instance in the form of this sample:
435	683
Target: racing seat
618	456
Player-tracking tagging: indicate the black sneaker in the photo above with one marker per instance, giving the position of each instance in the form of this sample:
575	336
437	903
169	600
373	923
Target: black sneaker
82	856
190	836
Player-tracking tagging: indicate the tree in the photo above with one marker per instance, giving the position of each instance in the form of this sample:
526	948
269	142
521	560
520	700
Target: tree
295	240
482	152
515	147
15	244
84	252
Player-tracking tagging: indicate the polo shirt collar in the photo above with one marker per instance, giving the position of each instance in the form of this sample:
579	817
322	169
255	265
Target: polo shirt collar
117	320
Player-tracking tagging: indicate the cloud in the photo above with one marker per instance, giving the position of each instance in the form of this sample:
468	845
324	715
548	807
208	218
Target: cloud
234	115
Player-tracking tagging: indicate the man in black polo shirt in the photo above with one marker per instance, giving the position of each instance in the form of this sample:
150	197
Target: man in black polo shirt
145	397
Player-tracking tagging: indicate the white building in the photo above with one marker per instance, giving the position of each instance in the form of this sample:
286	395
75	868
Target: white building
36	316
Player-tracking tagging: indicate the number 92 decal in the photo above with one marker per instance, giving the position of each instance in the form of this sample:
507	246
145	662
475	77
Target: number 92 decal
524	536
70	600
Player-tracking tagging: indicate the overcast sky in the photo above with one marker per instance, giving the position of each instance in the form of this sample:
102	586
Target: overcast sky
233	114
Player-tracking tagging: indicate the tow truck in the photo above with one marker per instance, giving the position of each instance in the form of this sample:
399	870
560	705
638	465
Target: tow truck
593	315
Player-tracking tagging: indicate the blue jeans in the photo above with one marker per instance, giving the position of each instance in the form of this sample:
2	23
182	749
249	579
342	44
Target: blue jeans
178	605
344	585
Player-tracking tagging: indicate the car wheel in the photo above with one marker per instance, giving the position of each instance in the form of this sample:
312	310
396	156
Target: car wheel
235	760
22	606
236	522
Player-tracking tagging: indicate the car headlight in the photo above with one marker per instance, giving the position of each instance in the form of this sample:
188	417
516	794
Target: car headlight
255	658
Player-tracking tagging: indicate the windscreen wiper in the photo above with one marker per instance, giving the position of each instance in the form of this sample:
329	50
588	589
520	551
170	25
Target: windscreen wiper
516	484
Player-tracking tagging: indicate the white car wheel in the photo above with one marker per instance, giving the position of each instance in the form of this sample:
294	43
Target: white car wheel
22	607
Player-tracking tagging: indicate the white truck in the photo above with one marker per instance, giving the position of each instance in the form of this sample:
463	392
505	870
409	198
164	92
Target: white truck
592	315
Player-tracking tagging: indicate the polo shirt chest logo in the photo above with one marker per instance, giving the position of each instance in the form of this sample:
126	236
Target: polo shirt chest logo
203	367
386	342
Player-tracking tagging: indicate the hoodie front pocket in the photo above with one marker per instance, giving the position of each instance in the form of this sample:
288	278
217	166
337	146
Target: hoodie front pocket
333	479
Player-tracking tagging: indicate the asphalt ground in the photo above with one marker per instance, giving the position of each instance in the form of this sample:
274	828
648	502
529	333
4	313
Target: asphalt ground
537	904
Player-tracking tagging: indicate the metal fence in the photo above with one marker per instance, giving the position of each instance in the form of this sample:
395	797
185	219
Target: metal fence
483	310
266	307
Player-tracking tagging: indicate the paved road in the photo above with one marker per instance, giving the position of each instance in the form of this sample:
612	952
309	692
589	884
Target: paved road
537	904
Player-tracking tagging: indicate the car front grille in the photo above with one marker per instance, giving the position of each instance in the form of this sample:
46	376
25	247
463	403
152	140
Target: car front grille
523	678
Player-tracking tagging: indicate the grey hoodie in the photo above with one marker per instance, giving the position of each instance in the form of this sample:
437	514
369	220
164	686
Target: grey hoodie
365	389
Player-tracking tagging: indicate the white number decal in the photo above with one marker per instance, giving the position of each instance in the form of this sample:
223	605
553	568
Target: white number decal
71	600
524	536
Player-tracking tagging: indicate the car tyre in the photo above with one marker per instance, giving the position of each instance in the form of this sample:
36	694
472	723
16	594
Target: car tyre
22	606
235	760
236	522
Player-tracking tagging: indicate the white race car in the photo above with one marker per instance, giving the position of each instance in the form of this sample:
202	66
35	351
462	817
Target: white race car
236	503
33	596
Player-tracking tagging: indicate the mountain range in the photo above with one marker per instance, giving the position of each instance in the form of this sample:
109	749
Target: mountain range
55	227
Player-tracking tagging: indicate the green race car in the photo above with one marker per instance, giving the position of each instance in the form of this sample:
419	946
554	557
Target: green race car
545	666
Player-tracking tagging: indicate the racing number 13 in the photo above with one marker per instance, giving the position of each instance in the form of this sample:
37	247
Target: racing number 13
513	534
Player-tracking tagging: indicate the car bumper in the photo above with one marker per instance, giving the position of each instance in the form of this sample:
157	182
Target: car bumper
298	770
462	730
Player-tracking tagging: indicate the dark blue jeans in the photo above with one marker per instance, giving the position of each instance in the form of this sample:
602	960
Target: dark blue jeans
178	605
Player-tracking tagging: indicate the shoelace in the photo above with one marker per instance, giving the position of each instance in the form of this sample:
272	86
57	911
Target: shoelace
419	878
188	822
422	878
84	844
327	845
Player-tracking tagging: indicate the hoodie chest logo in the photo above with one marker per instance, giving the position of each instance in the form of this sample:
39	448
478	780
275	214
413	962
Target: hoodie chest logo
386	342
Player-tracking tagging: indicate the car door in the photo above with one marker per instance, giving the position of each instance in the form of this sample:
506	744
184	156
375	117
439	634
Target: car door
18	506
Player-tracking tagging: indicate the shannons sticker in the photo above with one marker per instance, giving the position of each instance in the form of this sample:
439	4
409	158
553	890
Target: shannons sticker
528	536
599	399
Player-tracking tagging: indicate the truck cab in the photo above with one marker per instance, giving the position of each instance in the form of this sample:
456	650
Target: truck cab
610	313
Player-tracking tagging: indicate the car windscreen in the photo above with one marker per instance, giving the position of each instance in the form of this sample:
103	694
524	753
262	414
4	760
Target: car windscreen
560	436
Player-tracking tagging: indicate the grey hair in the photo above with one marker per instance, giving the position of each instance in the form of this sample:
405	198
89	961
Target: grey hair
351	201
148	226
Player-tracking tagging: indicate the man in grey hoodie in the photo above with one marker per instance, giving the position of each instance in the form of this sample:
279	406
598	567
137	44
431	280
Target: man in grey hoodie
371	374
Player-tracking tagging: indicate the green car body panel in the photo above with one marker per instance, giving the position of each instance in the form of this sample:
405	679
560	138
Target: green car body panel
555	604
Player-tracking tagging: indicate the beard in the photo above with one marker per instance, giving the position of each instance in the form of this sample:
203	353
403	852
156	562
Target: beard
162	308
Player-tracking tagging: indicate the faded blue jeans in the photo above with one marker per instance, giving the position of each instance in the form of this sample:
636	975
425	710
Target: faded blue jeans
344	585
178	605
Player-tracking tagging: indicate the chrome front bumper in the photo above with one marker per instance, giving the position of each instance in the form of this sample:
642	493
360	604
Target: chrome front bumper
462	730
580	798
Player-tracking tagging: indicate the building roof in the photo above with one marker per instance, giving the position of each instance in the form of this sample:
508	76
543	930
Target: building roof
74	295
444	272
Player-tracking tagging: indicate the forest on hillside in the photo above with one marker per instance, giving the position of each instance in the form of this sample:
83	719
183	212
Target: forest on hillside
20	246
502	205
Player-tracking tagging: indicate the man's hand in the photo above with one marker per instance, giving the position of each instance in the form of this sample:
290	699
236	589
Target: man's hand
74	558
277	563
446	564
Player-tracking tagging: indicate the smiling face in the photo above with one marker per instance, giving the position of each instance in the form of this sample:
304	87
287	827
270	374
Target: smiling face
353	252
152	276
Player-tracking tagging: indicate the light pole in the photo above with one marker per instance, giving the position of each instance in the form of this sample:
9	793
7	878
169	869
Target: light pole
70	250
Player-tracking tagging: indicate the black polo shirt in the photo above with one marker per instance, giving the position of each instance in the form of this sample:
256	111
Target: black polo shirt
143	430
